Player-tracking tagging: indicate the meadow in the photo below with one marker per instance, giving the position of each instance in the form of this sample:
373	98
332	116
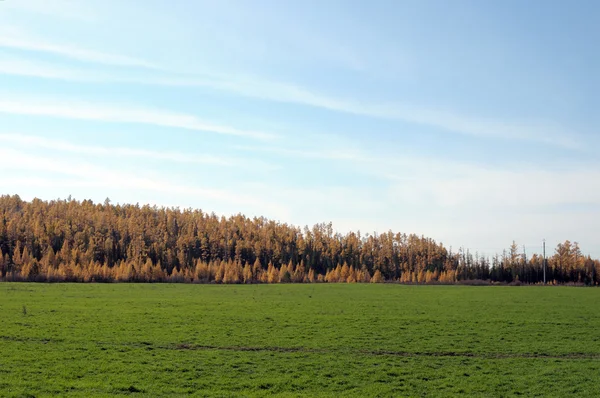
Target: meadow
298	340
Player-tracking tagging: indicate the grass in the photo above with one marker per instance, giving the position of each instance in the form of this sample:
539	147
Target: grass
298	340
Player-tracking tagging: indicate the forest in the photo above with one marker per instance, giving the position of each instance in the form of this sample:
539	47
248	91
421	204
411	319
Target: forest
83	241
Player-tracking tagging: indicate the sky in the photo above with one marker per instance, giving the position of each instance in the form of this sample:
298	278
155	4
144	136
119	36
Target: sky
475	123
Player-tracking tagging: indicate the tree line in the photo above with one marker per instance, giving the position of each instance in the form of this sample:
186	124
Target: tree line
83	241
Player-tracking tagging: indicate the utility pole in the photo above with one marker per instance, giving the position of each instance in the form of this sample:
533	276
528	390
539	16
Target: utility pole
544	261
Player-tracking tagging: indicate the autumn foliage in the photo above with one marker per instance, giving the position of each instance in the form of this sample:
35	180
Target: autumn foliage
68	240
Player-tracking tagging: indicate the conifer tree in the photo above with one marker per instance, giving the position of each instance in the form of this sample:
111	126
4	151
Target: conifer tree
377	277
284	275
344	273
273	274
16	258
3	264
248	278
299	274
76	241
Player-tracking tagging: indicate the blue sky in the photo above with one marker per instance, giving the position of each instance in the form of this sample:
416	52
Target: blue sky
472	122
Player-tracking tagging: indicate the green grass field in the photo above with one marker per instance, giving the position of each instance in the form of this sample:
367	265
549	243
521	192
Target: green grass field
298	340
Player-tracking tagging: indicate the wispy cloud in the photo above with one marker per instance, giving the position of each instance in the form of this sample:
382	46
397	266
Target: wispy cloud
20	66
61	108
64	9
19	39
534	131
545	132
308	153
96	150
86	174
475	189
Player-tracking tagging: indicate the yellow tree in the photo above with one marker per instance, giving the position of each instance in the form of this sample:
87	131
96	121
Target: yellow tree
273	274
284	275
233	272
48	261
330	276
16	258
220	272
257	269
146	271
3	264
158	273
351	276
29	266
202	272
428	277
344	273
290	268
363	275
299	273
413	278
421	277
377	277
247	273
337	273
264	276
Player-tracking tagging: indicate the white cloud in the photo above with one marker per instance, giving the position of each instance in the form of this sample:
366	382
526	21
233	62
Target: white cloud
535	131
82	110
529	130
19	39
19	66
88	175
64	146
66	9
308	153
489	189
